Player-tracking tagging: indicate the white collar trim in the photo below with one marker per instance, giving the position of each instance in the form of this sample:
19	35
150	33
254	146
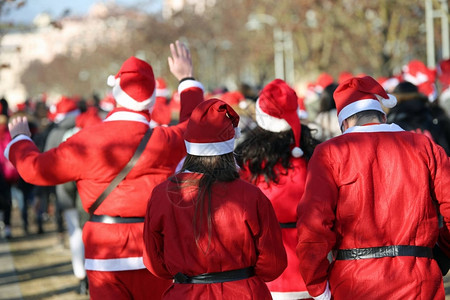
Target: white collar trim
126	116
375	128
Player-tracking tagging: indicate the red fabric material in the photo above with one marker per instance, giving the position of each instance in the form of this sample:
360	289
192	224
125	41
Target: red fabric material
211	122
245	232
324	80
343	76
284	197
369	190
94	156
161	113
279	100
232	98
137	79
88	118
355	89
6	167
125	285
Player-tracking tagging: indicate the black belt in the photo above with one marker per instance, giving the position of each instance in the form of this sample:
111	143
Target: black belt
217	277
288	225
385	251
114	220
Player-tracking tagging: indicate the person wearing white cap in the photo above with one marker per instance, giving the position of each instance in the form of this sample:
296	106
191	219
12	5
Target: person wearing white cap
95	156
274	157
372	197
216	235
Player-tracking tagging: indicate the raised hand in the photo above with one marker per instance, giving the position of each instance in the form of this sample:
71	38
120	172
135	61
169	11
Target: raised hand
19	125
180	63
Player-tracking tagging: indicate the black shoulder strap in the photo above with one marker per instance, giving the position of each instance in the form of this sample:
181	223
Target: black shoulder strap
122	173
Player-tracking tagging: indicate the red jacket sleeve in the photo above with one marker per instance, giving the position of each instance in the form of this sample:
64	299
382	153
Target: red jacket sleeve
315	222
272	258
154	241
191	94
441	188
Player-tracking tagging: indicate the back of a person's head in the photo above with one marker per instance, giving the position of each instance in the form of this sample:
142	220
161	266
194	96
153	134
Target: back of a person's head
405	87
210	138
326	98
218	167
406	90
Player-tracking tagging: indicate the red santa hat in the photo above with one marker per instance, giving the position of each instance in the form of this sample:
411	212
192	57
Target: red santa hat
416	72
161	88
277	110
423	77
303	113
107	103
323	81
134	85
388	83
232	98
359	94
212	129
64	107
343	76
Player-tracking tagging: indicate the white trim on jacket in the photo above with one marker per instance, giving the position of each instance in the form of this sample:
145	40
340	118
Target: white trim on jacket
114	264
375	128
21	137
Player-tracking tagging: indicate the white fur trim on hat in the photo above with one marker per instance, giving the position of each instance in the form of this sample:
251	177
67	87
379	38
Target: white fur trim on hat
358	106
416	80
210	149
125	100
269	123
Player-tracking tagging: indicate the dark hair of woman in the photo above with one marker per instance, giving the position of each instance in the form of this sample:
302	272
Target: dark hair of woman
326	99
262	150
214	169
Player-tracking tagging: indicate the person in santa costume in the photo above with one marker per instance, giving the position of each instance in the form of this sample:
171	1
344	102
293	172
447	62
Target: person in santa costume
271	158
372	197
216	235
161	114
95	155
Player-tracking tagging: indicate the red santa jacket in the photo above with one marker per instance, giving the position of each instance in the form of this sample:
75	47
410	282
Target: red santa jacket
374	186
245	233
284	197
93	157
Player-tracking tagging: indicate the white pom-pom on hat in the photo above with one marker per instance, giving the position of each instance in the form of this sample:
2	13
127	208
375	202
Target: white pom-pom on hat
389	102
297	152
111	80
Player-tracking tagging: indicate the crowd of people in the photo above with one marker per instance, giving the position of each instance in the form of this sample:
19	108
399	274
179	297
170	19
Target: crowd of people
340	193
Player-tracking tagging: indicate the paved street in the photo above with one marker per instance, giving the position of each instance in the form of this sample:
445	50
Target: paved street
38	267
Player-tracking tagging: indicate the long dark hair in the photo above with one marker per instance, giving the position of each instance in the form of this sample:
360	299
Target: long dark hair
213	169
261	150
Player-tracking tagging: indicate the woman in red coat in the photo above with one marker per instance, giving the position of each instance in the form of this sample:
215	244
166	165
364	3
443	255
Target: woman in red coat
270	157
216	235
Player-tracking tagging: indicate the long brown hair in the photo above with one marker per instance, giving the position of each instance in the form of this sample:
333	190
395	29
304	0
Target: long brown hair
214	169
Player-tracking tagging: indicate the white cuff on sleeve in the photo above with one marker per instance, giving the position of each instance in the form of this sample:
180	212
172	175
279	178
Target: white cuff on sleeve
325	295
20	137
189	84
